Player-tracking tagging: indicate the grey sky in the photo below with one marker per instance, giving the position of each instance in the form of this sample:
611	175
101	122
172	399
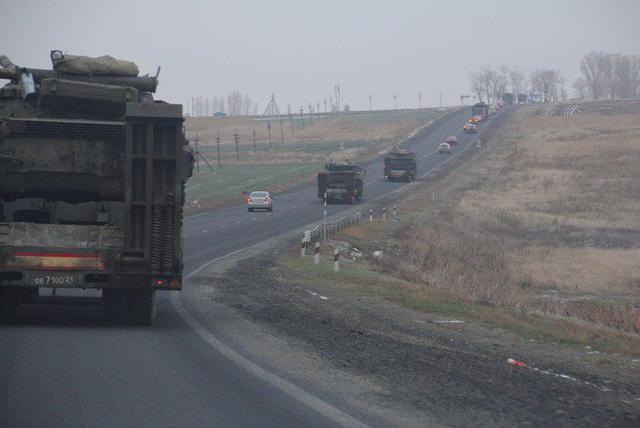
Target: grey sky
300	49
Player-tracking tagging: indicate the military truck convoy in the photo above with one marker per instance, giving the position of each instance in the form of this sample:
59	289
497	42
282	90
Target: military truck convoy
341	182
92	175
400	165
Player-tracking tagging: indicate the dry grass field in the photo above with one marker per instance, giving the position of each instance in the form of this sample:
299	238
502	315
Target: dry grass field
538	234
547	220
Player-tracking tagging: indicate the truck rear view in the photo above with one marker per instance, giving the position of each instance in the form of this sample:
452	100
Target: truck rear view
341	182
400	165
92	174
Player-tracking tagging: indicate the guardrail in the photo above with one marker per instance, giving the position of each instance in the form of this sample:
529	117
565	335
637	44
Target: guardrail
326	230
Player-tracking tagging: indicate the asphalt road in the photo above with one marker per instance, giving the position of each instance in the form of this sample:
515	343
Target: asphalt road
62	365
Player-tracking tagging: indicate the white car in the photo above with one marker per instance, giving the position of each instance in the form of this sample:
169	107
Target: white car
444	148
260	201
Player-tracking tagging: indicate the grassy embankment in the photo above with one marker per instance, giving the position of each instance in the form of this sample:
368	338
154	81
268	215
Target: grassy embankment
539	234
289	161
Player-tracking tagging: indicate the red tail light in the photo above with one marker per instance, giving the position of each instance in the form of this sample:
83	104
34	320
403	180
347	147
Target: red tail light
249	200
266	199
159	282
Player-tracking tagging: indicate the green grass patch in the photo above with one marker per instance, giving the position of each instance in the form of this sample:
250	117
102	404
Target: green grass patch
230	181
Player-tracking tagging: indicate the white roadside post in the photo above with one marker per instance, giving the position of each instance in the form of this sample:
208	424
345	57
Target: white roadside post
384	213
370	215
324	217
395	211
305	242
316	254
336	260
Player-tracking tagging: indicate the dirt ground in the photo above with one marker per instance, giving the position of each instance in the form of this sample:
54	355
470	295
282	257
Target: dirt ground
455	374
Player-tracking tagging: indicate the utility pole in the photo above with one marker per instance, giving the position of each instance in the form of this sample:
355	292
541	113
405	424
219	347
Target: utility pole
281	132
310	115
302	116
370	103
236	138
269	129
255	146
197	154
440	95
218	145
419	100
291	122
395	101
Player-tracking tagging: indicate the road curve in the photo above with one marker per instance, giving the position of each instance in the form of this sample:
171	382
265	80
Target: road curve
62	365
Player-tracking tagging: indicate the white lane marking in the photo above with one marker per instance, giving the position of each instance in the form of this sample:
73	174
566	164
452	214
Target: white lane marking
223	226
239	221
205	231
333	413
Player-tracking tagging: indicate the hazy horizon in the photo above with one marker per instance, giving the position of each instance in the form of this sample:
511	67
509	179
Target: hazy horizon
300	51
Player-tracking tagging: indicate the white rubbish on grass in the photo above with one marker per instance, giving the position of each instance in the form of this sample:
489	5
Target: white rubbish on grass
317	295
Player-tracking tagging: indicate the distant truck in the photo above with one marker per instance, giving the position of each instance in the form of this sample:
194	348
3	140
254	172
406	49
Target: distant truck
400	165
522	98
92	175
341	182
481	110
507	98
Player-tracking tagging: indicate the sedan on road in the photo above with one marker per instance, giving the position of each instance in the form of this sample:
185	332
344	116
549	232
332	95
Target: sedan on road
444	148
260	201
452	140
470	128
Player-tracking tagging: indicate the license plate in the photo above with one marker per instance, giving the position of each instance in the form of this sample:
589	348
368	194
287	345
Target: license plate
54	280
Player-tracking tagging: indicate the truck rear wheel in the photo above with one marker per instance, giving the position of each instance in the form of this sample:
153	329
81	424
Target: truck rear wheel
9	302
129	306
142	306
115	305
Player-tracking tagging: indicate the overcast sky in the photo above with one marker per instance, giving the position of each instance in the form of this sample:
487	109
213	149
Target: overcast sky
299	50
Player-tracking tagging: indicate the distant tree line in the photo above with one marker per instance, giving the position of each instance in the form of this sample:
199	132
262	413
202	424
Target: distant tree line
608	75
234	104
489	85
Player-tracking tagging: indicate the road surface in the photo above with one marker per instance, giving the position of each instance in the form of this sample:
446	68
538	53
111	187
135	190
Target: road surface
62	365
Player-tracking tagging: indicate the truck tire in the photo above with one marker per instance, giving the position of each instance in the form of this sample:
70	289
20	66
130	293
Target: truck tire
142	306
29	295
115	305
9	302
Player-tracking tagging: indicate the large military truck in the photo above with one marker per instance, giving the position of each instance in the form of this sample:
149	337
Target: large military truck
92	174
341	182
400	165
481	110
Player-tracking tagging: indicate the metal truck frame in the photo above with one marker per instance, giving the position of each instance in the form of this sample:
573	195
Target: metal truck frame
401	165
91	193
341	182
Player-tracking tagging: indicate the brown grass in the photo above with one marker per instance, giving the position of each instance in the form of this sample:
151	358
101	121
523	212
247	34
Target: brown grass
546	220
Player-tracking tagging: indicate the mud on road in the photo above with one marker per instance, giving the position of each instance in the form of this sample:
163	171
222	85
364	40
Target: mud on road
455	374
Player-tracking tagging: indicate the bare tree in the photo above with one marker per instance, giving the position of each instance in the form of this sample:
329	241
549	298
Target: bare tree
234	103
547	83
246	105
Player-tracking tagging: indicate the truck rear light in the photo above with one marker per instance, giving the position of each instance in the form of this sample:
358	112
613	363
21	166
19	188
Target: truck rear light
56	261
159	282
249	200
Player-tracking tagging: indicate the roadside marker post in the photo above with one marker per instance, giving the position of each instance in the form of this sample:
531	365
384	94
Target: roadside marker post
395	211
384	213
316	254
370	215
336	260
305	242
324	216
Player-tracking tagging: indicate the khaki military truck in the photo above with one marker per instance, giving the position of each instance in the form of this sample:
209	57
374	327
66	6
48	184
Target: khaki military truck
92	175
